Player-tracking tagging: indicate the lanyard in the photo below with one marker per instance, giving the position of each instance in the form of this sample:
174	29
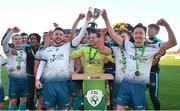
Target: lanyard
32	52
111	43
123	58
94	55
136	56
153	38
19	57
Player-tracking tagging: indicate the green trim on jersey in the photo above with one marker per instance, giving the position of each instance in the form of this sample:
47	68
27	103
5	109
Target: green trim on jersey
97	63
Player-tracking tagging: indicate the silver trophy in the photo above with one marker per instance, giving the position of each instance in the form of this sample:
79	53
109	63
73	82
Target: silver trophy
96	13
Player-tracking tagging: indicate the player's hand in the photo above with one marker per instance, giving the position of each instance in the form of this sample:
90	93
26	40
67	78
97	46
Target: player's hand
162	22
89	15
158	56
38	84
103	32
15	29
104	14
10	69
13	51
50	34
81	16
162	52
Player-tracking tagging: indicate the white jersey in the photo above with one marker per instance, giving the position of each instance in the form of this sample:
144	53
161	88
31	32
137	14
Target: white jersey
2	63
14	61
120	67
145	62
57	58
38	55
71	66
17	63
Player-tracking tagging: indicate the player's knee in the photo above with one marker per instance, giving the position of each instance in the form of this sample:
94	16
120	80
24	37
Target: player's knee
13	102
23	100
1	105
119	107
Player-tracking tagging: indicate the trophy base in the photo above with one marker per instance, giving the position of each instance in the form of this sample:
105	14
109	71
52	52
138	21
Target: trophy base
92	28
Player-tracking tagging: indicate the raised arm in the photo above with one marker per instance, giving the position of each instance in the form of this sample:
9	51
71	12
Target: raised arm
171	37
8	30
111	32
7	38
73	30
103	49
76	41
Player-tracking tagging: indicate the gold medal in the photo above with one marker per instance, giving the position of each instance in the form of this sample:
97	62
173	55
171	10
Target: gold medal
137	73
18	67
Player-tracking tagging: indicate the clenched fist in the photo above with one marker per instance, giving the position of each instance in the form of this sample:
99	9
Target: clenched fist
15	29
162	22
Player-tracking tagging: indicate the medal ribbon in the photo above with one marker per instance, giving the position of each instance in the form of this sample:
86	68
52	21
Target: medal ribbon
32	52
19	57
123	58
94	55
138	59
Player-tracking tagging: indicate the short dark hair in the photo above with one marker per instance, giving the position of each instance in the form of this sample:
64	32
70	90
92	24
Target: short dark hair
23	34
140	25
130	27
155	26
45	33
58	28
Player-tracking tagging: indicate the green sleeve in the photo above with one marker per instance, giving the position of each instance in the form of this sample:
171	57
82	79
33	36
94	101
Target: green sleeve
77	53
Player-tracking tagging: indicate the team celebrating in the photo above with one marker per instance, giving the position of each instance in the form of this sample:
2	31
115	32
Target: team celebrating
44	68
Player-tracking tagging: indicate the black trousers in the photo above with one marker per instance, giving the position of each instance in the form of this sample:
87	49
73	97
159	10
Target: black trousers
30	99
153	89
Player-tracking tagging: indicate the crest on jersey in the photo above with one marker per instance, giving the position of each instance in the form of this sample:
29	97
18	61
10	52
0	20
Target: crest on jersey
94	97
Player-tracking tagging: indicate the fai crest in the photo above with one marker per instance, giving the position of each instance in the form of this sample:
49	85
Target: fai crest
94	97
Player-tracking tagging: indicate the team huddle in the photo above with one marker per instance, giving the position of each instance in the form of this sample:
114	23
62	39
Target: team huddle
45	68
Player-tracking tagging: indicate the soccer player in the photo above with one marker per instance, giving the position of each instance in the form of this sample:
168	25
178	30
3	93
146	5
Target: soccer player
153	30
24	37
139	57
93	60
119	54
48	41
54	67
34	40
18	82
75	65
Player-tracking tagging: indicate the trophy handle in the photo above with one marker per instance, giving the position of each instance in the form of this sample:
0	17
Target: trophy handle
99	11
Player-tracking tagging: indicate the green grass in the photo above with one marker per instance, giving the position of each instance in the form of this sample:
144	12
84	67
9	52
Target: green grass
169	91
169	84
5	85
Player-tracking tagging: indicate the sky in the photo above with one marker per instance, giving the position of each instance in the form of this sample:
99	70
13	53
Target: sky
37	16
